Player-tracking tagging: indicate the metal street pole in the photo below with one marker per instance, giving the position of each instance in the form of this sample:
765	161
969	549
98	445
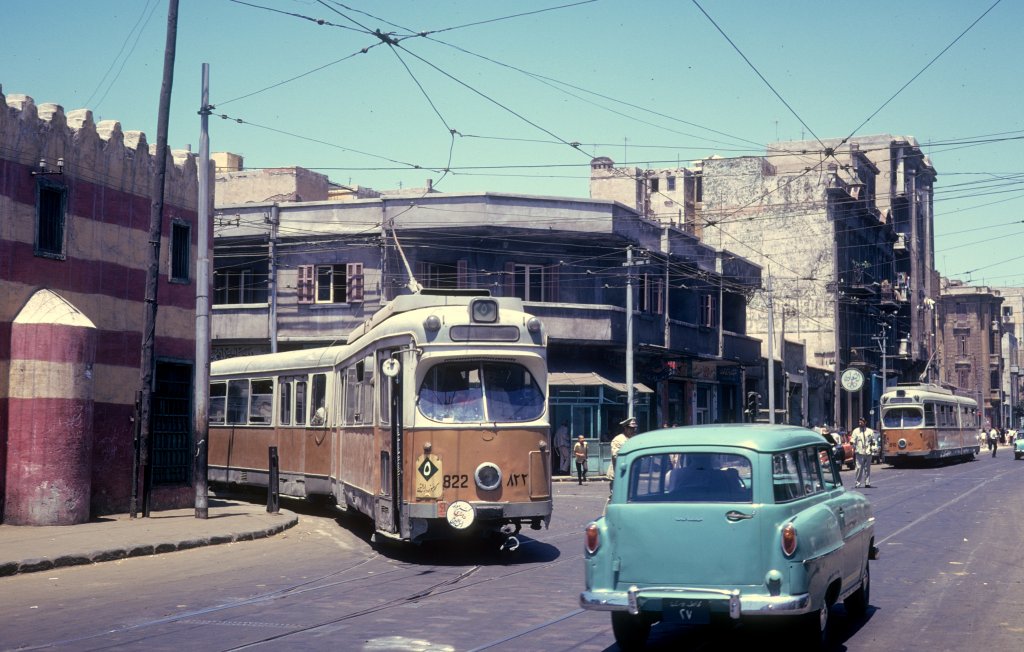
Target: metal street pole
771	351
201	394
629	331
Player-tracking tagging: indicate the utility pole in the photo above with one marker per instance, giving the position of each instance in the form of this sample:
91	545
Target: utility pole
201	393
147	367
771	351
629	265
629	331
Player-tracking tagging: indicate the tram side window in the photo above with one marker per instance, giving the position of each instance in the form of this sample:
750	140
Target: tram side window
301	398
385	390
218	402
929	415
318	405
238	401
351	394
368	390
284	414
261	403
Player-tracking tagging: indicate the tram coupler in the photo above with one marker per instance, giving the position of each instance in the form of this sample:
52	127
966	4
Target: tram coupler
509	529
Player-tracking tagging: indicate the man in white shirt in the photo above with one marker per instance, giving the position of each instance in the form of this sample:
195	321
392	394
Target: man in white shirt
863	441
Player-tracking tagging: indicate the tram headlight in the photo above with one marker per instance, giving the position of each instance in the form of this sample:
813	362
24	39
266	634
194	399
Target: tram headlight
432	324
484	311
533	325
488	476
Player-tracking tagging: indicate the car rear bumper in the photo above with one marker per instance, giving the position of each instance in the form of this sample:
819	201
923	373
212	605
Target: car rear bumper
733	602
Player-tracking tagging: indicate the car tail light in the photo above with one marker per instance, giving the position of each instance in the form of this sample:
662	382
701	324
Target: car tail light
593	539
788	539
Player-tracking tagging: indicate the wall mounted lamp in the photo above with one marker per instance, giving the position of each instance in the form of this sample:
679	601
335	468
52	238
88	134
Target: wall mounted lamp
44	170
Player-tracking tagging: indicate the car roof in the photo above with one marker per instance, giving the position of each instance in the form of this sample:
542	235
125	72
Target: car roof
755	436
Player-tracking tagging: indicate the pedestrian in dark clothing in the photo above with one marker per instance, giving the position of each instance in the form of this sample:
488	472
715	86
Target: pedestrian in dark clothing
993	440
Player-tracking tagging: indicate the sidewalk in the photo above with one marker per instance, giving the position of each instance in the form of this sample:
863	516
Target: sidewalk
28	549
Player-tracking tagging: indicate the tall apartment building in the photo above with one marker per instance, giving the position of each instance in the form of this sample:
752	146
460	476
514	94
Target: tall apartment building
844	231
971	329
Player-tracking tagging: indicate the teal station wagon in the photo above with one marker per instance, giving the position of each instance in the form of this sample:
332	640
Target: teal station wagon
1018	446
721	524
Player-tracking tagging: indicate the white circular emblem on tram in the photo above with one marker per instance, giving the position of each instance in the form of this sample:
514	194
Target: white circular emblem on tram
390	367
852	380
460	515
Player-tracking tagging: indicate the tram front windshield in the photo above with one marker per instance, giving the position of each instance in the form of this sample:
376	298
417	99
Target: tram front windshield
903	417
469	392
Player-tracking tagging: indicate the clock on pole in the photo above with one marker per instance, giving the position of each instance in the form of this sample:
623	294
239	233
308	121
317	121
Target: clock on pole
852	380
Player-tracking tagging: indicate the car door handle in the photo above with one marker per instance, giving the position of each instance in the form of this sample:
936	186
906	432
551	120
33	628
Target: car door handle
735	515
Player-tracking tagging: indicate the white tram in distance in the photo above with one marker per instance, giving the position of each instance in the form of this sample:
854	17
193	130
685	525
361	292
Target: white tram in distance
923	422
432	419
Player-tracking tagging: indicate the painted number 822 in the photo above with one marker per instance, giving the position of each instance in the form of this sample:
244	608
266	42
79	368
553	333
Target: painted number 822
456	481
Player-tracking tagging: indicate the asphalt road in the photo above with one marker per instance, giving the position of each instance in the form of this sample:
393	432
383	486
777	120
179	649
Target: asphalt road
950	578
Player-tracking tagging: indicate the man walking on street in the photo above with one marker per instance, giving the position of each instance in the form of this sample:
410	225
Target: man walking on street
628	430
993	440
863	442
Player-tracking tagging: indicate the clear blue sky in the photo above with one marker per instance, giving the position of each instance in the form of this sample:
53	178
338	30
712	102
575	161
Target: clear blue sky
646	83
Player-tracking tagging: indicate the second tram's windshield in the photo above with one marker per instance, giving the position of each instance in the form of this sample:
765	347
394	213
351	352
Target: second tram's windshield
903	417
467	392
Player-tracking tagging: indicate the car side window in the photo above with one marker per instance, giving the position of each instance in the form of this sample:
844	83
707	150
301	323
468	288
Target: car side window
786	481
691	478
828	469
810	471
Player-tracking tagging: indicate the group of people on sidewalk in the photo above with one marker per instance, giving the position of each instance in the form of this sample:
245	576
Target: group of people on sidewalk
993	437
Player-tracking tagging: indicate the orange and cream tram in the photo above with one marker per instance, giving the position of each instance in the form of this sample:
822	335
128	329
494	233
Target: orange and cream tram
432	419
928	422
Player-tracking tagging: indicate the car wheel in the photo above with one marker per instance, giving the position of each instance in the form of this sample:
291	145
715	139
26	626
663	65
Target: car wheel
630	631
857	604
815	628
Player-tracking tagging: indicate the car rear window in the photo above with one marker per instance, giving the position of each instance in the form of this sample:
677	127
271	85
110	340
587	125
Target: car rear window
690	478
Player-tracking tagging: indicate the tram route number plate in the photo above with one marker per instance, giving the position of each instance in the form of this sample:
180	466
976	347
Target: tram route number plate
688	612
428	476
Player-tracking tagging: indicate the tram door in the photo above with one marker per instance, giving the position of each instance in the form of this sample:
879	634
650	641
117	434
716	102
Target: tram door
389	431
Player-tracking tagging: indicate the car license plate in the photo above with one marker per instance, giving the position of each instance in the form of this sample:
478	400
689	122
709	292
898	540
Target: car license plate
688	612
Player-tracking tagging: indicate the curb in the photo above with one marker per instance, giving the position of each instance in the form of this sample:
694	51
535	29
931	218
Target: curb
141	550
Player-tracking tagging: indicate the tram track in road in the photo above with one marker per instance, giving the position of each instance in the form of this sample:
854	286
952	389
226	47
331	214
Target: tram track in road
378	572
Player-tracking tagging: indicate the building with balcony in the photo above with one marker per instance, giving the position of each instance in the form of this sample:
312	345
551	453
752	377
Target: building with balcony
303	274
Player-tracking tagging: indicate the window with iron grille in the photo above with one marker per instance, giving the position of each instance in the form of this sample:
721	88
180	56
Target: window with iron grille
171	461
181	251
51	205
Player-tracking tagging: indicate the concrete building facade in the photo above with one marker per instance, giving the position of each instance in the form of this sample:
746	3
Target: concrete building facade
843	229
295	275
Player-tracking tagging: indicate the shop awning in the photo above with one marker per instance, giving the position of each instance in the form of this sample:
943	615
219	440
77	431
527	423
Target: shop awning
592	378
